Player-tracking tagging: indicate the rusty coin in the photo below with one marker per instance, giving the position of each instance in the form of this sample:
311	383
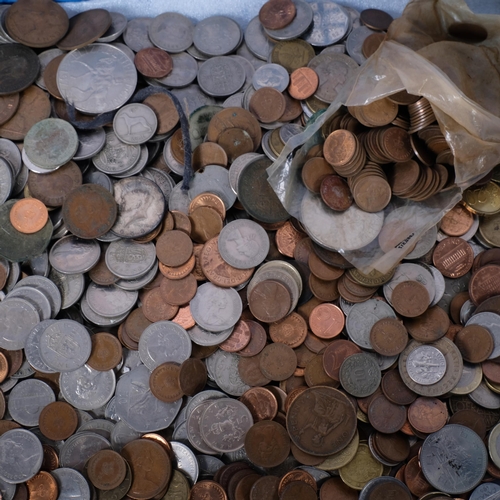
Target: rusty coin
453	257
277	14
58	421
106	352
410	299
388	337
267	444
85	28
29	215
106	470
153	62
335	193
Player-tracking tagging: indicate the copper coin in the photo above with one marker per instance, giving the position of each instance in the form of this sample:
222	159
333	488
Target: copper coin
326	291
206	224
151	468
427	415
388	337
267	104
261	402
234	142
335	193
8	107
278	361
304	355
276	14
315	374
457	221
164	382
85	28
106	470
393	447
305	458
208	200
42	486
491	370
303	83
453	257
314	171
269	301
258	338
184	318
156	309
58	421
36	23
287	238
430	326
224	474
177	146
239	338
244	486
415	479
339	147
152	62
294	476
334	488
371	43
298	489
326	321
174	248
385	416
266	488
106	352
14	360
376	19
50	76
410	299
179	292
100	273
28	216
470	419
210	153
165	112
192	376
475	343
53	188
322	270
180	272
291	330
456	305
395	389
4	368
267	444
485	283
136	323
335	354
293	109
207	490
7	425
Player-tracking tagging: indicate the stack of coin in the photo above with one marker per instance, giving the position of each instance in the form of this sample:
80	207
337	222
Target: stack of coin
421	115
386	145
434	138
376	114
344	153
370	188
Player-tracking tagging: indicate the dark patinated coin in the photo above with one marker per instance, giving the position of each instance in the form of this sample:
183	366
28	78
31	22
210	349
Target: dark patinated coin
385	487
89	211
19	67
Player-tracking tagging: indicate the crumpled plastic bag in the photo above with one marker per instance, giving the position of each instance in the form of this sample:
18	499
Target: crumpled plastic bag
462	83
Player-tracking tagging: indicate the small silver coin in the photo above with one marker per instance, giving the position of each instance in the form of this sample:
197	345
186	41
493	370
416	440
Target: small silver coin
72	255
330	24
125	49
34	297
129	260
71	484
136	34
271	75
90	143
94	176
110	301
118	26
116	157
485	491
45	57
27	400
184	71
248	67
186	460
78	448
135	123
207	36
193	51
354	42
7	490
234	101
257	41
221	76
10	152
99	425
426	365
440	285
203	337
300	24
17	317
70	287
32	347
171	32
209	465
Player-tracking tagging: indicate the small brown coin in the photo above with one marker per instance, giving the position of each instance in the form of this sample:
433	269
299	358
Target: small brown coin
388	337
475	343
106	352
376	19
287	238
152	62
239	338
303	83
266	488
314	171
385	416
165	111
415	479
178	273
335	354
234	142
278	361
206	224
298	489
250	372
267	444
491	370
155	308
315	374
177	145
7	425
427	415
29	215
395	389
179	292
261	402
208	490
326	321
267	104
393	447
164	382
136	323
42	486
335	193
485	283
184	318
457	221
322	270
100	273
456	305
291	331
14	359
85	28
211	153
305	458
244	487
334	488
4	364
106	470
326	291
174	248
410	299
8	107
192	376
50	76
269	301
277	14
371	43
471	419
339	148
58	421
453	257
429	326
258	338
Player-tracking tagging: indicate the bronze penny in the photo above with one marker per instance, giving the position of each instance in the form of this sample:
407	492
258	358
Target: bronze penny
491	370
179	292
42	486
334	488
340	147
335	193
298	489
305	458
174	248
395	389
335	354
410	299
36	23
28	216
385	416
278	361
100	273
315	374
180	272
430	326
267	444
85	28
453	257
125	340
177	145
206	224
50	458
7	425
322	270
165	111
303	83
106	470
294	476
58	421
50	76
291	331
164	382
415	479
269	301
224	474
2	404
266	488
388	337
184	318
267	105
484	284
244	487
302	250
277	14
314	171
470	419
326	321
4	369
376	19
457	221
14	360
326	291
202	352
393	447
8	106
207	489
234	141
287	238
427	415
475	343
239	338
106	352
250	372
53	188
136	323
208	200
456	305
258	338
151	467
152	62
261	402
304	355
156	309
192	376
293	109
210	153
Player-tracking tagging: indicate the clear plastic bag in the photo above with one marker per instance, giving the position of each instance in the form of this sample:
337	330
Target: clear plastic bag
463	93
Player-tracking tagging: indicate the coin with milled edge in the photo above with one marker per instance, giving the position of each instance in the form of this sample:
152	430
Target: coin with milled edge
360	375
426	365
18	317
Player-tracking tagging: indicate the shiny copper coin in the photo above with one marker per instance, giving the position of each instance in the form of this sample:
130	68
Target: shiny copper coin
155	308
427	415
294	476
371	43
174	248
415	479
457	221
267	104
314	171
28	216
261	402
165	111
475	343
234	142
335	193
42	486
106	470
485	283
267	444
278	361
410	299
303	83
291	331
453	257
326	321
207	490
206	224
277	14
50	458
58	421
8	107
269	301
210	153
85	28
385	416
388	337
192	376
180	272
164	382
50	76
335	354
395	389
179	292
287	238
429	326
239	338
106	352
136	323
208	200
152	62
258	338
322	270
177	146
340	147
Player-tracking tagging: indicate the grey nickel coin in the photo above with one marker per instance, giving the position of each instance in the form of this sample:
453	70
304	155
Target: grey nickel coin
217	36
184	71
491	322
360	375
439	283
200	397
116	157
7	490
221	76
138	167
226	374
485	491
17	318
209	465
257	41
135	123
94	176
171	32
10	152
271	75
485	397
443	450
97	319
27	399
186	460
216	309
65	345
110	301
141	281
331	23
118	26
136	405
162	342
78	448
129	260
426	365
72	255
175	166
71	484
21	457
161	179
214	179
379	485
136	33
424	244
354	43
70	287
249	71
90	143
243	244
34	297
99	425
300	24
203	337
32	347
122	434
237	167
6	180
245	52
45	57
193	429
125	49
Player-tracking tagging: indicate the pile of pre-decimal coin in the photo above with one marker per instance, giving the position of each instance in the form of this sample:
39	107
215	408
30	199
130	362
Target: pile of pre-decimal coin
169	344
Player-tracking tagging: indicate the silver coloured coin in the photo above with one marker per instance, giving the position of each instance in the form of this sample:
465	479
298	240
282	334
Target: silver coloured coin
99	426
6	180
355	17
39	264
221	76
234	101
300	24
171	32
20	181
34	168
466	311
227	375
141	281
136	34
485	397
71	484
271	75
349	230
86	388
426	365
94	176
138	167
162	342
354	43
32	347
180	433
141	206
247	66
193	429
97	78
17	318
175	166
237	167
179	199
330	24
362	317
257	41
78	448
485	491
65	345
209	465
214	179
376	485
27	399
186	460
70	287
130	260
439	285
338	48
161	179
360	375
217	36
21	457
203	337
125	49
135	123
45	57
491	322
472	375
122	434
243	244
193	51
90	143
110	411
245	52
10	152
72	255
13	275
229	414
266	147
118	26
116	157
136	405
34	297
214	308
97	319
110	301
383	362
289	130
184	71
424	244
24	371
202	396
7	490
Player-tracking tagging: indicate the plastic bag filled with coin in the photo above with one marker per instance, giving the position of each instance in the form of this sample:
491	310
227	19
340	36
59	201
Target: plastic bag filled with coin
404	170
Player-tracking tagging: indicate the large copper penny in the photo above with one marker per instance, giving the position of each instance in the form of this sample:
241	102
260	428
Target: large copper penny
429	326
239	338
106	352
153	62
58	421
165	111
388	337
42	486
393	447
453	257
410	299
269	301
317	432
106	470
164	382
475	343
85	28
314	171
29	215
278	361
155	308
277	14
326	321
267	444
334	488
339	148
179	292
485	283
427	415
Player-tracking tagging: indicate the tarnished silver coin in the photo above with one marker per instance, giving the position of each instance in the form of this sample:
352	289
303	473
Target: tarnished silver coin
8	490
485	397
161	179
162	342
116	157
426	365
135	123
216	309
200	336
72	255
184	71
226	373
207	36
118	26
125	49
71	484
193	51
136	34
10	152
70	287
330	24
257	41
27	399
186	460
172	32
90	143
32	347
79	447
122	434
138	167
141	281
354	42
209	465
221	76
300	24
271	75
97	319
249	70
485	491
360	375
34	297
110	301
410	272
491	322
129	260
17	318
424	244
243	244
45	57
175	166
